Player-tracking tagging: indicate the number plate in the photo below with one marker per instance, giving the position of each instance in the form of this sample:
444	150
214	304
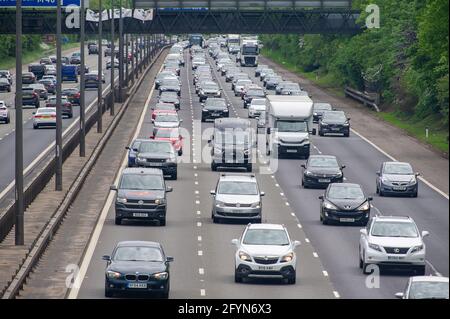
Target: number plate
395	258
292	150
324	180
140	215
215	114
399	188
347	220
265	268
156	164
335	128
137	285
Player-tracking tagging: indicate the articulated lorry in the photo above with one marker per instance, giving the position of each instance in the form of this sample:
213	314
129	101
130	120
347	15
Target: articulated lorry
288	125
249	51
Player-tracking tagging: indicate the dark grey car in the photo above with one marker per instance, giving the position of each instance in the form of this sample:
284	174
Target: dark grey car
158	154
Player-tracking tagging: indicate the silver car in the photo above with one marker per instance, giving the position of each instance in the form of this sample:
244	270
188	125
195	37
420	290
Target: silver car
237	196
425	287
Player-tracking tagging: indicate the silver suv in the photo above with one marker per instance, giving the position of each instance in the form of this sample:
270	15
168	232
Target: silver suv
237	196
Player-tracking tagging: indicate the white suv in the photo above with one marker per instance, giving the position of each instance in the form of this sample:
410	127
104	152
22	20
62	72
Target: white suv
265	251
392	241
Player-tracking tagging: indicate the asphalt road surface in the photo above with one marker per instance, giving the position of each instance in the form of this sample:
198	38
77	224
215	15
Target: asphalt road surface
328	255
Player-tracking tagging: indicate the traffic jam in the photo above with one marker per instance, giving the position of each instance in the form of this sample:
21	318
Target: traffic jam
281	120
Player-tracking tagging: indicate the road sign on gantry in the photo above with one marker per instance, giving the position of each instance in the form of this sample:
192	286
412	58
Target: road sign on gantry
39	3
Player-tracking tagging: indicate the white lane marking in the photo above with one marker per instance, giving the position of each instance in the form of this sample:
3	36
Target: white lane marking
199	238
299	226
315	255
429	184
197	202
199	212
282	194
437	273
307	240
199	224
287	204
325	273
201	271
200	252
196	182
101	221
202	292
195	167
276	185
44	152
336	294
197	192
293	214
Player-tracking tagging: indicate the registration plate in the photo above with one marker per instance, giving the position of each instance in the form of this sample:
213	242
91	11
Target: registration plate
292	150
156	164
347	220
138	285
399	188
140	215
335	128
395	257
265	268
215	114
324	180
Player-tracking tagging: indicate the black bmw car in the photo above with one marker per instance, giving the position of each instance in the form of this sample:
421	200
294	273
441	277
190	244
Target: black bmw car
137	267
214	108
334	122
321	170
345	203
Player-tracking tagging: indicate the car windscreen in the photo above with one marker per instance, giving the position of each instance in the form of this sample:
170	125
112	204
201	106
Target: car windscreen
394	229
153	147
292	126
46	111
322	162
167	133
276	237
165	107
243	82
210	86
166	118
137	253
429	290
258	102
345	192
171	82
232	137
142	182
237	188
397	169
322	107
255	92
292	86
215	103
334	117
168	95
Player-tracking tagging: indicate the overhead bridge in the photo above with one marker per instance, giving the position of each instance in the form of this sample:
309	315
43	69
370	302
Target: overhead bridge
207	16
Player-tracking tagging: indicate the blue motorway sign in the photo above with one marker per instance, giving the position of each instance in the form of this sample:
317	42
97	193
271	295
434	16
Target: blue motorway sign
38	3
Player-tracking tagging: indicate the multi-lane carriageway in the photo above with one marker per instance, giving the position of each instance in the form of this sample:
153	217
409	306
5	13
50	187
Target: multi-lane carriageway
204	256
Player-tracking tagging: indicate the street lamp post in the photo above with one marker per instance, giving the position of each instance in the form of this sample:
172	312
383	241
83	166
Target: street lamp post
58	144
100	67
82	86
113	57
120	51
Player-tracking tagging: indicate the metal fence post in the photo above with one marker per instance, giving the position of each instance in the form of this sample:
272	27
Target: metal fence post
113	63
100	73
120	52
82	88
58	144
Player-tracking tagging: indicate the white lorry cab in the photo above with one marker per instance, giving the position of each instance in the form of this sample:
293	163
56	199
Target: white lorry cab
288	125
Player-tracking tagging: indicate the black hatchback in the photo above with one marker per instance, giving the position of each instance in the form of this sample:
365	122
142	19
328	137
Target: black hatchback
214	108
334	122
321	170
137	267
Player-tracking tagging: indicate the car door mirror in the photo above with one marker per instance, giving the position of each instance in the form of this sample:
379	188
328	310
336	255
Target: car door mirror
343	166
209	141
321	197
262	194
235	242
363	231
113	187
399	295
314	131
268	131
169	189
425	233
181	121
169	259
212	192
106	258
127	148
348	119
417	174
303	166
152	137
378	173
296	243
370	199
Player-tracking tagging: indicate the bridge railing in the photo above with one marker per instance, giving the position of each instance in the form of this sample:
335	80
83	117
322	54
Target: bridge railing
243	4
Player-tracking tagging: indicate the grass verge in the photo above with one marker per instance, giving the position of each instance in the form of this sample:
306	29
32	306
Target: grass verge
437	135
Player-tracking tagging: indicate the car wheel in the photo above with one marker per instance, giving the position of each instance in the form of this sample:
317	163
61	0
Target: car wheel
213	167
415	194
420	271
118	221
325	221
249	168
35	126
237	277
347	134
320	132
108	293
216	220
180	152
361	264
162	221
174	176
203	119
292	280
381	193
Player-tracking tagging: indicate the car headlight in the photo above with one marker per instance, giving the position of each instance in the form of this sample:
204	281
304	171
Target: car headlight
308	173
121	200
140	159
244	256
346	124
315	113
256	205
375	247
204	110
225	110
324	124
161	275
412	182
219	203
218	151
171	160
113	274
339	174
160	201
364	206
287	258
247	151
416	249
385	180
329	205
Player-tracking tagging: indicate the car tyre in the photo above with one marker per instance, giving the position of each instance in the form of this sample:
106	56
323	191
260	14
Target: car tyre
174	176
213	167
118	221
108	292
320	133
237	277
162	221
180	152
420	271
216	220
35	126
249	168
292	280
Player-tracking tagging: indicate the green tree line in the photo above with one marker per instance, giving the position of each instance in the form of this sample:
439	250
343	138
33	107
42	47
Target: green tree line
406	59
8	44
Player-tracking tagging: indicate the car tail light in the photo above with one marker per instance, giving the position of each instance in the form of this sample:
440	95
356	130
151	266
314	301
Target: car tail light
77	95
38	116
35	94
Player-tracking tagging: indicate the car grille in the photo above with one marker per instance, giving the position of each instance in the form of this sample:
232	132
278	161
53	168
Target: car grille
136	201
290	142
238	214
238	205
266	260
132	277
399	184
396	250
156	160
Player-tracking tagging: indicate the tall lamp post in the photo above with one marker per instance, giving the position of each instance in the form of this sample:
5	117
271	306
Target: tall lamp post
82	86
113	57
58	144
100	67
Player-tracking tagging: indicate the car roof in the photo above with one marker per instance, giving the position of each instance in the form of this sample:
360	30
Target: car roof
142	170
238	177
132	243
266	226
231	122
396	163
42	109
345	185
405	219
322	156
429	279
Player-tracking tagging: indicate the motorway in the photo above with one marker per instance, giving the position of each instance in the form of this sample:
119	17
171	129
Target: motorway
204	256
36	141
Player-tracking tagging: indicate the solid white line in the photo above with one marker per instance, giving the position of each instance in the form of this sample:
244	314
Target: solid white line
429	184
299	226
202	292
199	238
200	253
201	271
437	273
315	255
336	294
325	273
109	201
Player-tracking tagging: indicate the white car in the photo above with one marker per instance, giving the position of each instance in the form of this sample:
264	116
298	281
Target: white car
239	86
4	113
265	251
167	120
425	287
392	241
44	116
257	106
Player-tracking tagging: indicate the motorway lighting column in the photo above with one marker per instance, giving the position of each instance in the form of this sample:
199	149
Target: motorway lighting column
58	144
82	86
100	68
113	57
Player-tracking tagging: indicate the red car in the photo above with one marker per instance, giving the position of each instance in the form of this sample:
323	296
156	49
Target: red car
170	134
163	108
